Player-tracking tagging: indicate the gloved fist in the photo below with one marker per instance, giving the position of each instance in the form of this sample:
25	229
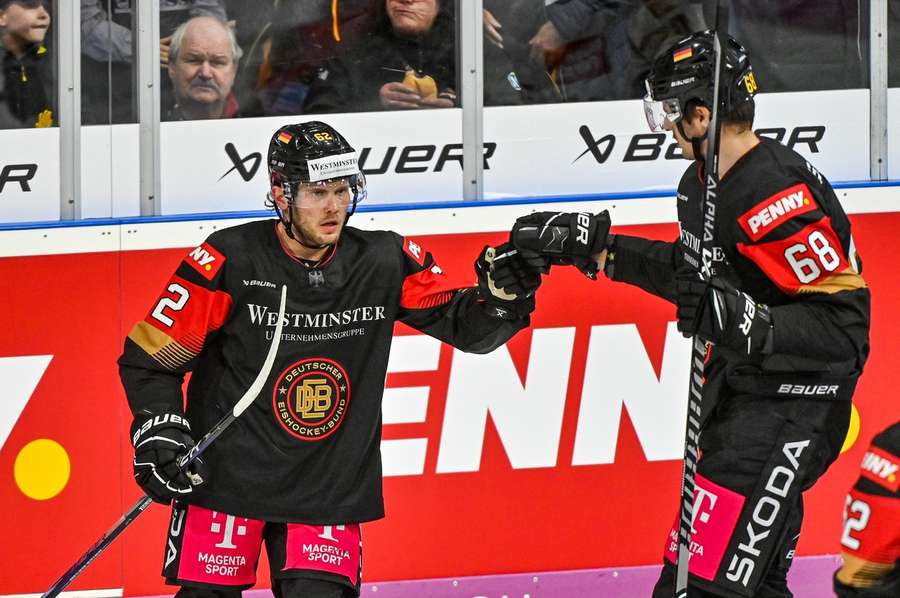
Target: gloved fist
160	441
507	282
716	311
565	237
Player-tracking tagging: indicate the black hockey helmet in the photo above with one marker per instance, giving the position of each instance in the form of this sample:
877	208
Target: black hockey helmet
313	152
686	71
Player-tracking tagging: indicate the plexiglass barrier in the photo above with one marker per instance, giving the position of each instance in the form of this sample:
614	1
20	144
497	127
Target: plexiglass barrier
561	83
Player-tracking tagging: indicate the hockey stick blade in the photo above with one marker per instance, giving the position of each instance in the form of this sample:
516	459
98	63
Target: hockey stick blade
699	348
141	505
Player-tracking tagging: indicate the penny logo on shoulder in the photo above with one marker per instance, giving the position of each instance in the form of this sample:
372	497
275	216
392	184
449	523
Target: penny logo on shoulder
311	398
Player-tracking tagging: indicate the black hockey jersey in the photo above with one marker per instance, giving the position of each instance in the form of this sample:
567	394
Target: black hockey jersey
308	449
782	237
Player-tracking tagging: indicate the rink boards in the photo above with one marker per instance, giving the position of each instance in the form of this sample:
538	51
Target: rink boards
557	452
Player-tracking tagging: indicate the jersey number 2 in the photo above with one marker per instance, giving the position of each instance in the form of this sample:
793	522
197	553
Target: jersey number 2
806	266
168	303
856	523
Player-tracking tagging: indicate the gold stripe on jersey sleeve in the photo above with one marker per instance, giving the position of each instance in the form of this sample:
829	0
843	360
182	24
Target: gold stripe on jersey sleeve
848	280
860	573
160	346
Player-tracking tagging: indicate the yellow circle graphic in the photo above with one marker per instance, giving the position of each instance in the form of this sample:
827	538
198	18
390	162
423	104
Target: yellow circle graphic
853	430
42	469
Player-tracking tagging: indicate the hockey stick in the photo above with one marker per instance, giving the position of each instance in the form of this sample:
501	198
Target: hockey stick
125	520
698	353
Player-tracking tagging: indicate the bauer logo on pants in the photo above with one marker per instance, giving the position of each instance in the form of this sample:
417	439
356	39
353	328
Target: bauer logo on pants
311	398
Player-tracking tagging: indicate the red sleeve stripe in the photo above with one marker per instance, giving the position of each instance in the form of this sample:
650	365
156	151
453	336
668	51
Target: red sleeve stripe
424	290
176	328
803	262
879	540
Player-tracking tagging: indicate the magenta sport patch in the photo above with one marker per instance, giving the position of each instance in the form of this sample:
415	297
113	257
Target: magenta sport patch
331	548
716	512
219	549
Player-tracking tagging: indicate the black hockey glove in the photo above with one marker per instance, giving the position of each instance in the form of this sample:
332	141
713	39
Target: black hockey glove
717	312
160	441
507	282
565	237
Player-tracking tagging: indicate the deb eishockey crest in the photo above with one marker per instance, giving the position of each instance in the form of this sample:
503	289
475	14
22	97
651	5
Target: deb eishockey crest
311	398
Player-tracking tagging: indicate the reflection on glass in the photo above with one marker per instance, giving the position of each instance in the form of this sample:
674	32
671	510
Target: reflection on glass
580	50
106	55
781	36
27	82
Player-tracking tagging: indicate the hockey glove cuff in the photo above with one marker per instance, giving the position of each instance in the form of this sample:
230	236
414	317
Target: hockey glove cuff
507	282
714	310
565	237
160	441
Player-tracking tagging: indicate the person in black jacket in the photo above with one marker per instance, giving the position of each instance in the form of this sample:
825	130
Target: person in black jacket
408	62
782	307
27	91
301	467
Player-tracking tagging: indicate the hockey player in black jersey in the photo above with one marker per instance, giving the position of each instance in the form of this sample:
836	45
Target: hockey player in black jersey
301	468
870	541
785	313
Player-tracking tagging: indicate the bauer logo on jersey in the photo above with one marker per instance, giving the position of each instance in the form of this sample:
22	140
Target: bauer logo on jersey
882	468
330	167
311	398
777	209
206	260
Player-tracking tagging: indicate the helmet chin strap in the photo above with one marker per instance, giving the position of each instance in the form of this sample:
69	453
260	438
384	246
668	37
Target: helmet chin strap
696	142
289	229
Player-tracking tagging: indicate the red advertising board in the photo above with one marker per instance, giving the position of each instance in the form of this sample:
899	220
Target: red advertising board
558	451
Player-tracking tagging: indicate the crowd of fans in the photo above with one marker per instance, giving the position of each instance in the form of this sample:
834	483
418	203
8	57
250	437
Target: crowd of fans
228	58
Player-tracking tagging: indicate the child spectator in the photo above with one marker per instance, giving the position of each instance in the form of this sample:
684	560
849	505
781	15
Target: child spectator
27	92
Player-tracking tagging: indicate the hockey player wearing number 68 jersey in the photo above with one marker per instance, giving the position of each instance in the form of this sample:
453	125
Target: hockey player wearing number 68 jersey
785	312
300	469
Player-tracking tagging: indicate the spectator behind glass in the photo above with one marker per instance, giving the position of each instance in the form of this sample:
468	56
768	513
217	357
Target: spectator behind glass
107	48
27	97
565	40
276	71
408	62
202	65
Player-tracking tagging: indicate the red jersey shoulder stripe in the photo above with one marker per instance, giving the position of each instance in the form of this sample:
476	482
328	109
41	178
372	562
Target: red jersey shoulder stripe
426	289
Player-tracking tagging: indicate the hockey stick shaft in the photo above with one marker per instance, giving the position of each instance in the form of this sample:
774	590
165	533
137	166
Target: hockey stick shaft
699	347
141	505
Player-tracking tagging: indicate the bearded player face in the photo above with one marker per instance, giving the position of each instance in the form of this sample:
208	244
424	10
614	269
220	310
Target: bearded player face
319	211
